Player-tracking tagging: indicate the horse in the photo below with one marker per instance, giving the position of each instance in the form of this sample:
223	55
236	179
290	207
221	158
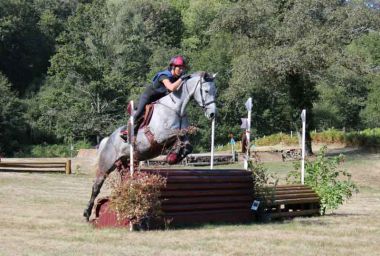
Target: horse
168	118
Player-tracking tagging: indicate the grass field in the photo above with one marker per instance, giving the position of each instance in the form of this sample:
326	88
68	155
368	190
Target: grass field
41	214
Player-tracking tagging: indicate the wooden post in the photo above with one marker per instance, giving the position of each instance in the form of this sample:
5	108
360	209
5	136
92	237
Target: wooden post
68	166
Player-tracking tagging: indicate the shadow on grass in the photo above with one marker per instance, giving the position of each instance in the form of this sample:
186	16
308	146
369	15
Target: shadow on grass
356	153
316	220
346	215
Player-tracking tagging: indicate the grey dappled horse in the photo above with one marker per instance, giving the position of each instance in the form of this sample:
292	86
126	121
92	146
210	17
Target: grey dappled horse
169	117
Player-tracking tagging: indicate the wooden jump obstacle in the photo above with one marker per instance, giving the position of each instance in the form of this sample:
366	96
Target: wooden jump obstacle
35	166
196	196
205	159
196	160
287	201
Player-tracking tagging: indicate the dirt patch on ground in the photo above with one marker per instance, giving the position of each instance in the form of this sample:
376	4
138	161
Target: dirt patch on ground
89	153
315	146
274	153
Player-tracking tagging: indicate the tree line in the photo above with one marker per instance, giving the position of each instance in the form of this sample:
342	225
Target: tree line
68	68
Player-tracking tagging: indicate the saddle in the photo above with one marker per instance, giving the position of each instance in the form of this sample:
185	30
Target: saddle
142	123
145	119
147	115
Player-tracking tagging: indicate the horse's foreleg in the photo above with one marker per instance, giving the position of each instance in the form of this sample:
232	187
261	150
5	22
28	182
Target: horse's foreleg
179	151
95	192
187	149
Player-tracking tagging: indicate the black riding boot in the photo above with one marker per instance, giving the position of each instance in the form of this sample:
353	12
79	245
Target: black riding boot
137	125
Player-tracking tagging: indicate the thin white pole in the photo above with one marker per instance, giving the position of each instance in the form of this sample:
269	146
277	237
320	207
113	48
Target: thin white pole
131	150
233	152
131	140
303	117
247	134
212	143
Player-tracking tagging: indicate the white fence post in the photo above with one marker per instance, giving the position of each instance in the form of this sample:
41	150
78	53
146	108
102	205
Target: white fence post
131	140
303	117
131	149
212	143
233	149
248	106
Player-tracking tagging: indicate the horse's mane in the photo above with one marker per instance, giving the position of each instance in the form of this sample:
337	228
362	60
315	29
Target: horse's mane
205	75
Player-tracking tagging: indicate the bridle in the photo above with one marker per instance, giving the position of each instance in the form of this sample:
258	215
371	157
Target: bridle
200	82
203	104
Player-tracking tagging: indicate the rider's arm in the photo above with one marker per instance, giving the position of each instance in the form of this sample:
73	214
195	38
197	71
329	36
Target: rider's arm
172	86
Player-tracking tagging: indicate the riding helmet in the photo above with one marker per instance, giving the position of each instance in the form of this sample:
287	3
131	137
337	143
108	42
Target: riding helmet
178	61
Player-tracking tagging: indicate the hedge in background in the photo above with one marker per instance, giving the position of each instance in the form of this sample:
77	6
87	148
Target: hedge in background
55	150
365	138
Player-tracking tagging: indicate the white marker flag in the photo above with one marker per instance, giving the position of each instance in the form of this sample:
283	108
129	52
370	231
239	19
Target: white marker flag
248	104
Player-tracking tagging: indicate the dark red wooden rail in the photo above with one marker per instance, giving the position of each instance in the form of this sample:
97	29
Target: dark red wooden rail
197	197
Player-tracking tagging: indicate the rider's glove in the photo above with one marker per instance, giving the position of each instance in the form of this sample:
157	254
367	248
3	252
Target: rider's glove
185	77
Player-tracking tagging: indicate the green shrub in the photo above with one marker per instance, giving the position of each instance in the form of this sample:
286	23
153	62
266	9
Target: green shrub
277	138
264	183
264	187
261	176
137	198
332	184
365	138
329	136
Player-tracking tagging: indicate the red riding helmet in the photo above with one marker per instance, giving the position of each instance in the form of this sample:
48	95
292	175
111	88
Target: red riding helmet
178	61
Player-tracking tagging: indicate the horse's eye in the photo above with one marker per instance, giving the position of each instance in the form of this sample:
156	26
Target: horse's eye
206	91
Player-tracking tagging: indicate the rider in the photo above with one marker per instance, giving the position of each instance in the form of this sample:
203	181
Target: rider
163	82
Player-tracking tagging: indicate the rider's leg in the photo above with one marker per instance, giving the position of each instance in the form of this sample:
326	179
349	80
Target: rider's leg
144	100
124	133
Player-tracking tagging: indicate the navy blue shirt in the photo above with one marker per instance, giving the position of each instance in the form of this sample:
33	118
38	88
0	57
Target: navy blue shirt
158	87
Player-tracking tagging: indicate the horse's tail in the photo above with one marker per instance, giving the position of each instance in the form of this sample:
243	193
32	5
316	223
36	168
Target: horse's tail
101	145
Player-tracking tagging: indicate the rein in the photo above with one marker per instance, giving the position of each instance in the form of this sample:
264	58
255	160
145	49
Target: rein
203	104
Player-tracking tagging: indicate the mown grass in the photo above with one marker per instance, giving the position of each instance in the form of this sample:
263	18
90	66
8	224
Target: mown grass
41	214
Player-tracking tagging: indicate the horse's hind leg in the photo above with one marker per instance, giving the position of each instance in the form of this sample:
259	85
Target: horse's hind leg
100	178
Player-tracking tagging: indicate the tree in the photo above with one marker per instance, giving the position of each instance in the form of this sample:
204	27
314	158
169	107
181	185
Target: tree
28	30
103	58
348	88
12	123
288	45
371	113
369	48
